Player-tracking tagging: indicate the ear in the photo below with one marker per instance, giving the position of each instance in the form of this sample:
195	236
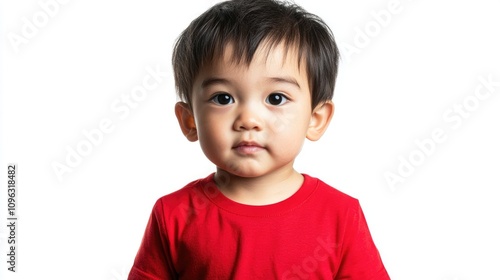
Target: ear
320	119
186	121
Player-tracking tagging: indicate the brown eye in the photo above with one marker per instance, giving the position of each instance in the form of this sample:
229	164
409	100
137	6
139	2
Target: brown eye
222	99
276	99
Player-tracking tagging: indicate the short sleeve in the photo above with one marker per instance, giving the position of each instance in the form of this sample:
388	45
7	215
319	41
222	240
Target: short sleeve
152	261
360	257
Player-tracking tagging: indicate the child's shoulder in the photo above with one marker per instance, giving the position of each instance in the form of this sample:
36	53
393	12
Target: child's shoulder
197	191
330	195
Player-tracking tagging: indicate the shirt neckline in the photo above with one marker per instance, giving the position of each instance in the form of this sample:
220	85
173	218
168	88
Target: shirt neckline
211	191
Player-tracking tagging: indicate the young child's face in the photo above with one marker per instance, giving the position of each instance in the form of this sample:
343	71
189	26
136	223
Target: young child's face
252	120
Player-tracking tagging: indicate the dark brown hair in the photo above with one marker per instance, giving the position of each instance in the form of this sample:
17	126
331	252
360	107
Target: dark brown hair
248	23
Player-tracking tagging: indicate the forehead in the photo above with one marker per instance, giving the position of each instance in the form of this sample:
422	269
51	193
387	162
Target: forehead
267	51
268	57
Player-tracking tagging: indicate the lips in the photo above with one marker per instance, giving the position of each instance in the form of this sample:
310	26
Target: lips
248	147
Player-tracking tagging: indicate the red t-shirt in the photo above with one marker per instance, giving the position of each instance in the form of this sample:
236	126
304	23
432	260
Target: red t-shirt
198	233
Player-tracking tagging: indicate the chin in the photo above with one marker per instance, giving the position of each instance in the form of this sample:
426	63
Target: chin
244	171
247	173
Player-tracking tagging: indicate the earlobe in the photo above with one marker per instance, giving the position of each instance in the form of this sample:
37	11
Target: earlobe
186	121
320	119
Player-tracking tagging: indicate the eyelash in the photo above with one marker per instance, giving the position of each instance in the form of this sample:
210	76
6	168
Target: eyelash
215	99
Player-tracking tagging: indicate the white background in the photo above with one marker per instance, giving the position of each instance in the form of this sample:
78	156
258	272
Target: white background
398	76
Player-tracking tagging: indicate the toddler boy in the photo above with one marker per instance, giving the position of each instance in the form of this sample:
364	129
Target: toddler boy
256	78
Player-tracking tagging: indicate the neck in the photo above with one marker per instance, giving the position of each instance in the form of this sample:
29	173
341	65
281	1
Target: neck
262	190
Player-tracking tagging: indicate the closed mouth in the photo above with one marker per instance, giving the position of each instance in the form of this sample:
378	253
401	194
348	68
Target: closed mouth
248	144
248	147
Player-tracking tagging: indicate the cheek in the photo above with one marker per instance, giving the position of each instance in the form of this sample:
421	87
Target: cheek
291	128
282	122
212	134
290	124
211	143
289	132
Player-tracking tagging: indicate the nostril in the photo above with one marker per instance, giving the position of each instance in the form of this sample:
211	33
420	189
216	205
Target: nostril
247	119
248	125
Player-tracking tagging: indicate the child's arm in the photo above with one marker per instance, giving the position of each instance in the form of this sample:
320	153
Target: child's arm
152	261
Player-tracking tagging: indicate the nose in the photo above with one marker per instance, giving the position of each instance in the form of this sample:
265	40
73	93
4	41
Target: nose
248	118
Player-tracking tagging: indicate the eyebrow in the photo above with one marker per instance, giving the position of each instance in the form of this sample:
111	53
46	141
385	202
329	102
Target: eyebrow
288	80
213	81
